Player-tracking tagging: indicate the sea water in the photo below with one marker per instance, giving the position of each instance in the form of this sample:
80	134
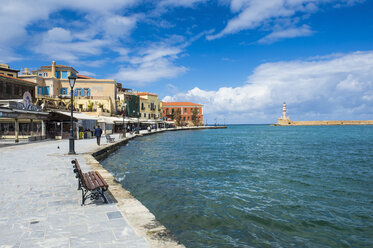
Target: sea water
255	185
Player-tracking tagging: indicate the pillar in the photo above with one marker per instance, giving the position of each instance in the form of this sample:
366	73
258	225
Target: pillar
53	70
16	128
42	129
31	128
61	129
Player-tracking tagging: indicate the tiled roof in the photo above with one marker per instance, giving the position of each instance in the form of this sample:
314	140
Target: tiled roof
145	94
17	79
57	66
85	77
170	104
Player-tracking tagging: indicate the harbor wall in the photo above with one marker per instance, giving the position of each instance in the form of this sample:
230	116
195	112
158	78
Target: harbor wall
137	215
324	123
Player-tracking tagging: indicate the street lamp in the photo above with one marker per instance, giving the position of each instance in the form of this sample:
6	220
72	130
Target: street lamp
72	79
124	124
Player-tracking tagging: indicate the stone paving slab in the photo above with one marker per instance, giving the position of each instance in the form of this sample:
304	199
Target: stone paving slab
40	203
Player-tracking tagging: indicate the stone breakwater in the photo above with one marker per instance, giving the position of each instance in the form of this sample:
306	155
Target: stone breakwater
137	215
323	123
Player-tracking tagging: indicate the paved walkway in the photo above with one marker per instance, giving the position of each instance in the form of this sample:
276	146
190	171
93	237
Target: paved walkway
40	203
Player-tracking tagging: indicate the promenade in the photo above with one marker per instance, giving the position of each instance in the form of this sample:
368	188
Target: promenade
40	203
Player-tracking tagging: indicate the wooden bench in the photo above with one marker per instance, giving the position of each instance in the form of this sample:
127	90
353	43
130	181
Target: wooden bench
109	139
92	184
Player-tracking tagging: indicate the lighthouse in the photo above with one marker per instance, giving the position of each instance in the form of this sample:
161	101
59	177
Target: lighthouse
283	120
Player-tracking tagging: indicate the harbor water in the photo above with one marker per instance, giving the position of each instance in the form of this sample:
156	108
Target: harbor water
255	185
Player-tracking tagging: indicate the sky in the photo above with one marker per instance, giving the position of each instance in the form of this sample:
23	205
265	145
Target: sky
241	59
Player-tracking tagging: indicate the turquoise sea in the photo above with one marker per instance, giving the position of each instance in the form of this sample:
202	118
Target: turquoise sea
255	185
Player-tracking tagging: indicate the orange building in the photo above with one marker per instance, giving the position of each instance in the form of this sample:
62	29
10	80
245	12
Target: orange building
169	108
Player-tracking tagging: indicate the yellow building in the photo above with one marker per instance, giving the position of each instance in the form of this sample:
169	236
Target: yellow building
5	70
150	107
91	95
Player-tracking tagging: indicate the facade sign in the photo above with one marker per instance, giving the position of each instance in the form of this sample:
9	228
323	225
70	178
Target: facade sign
27	100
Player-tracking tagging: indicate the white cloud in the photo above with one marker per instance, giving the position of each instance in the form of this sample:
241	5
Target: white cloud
251	14
180	3
287	33
101	18
339	87
157	61
87	73
60	44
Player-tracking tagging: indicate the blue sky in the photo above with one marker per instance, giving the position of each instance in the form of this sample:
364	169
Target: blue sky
240	58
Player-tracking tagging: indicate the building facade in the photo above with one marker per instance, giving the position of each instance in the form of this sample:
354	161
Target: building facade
130	100
5	70
186	110
150	106
91	95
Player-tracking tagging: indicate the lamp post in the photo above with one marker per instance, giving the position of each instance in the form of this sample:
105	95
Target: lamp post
72	79
124	124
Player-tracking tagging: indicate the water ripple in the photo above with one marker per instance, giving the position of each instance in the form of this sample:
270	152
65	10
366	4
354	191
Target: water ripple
255	186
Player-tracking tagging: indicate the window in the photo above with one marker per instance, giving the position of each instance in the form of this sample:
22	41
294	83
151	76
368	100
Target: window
166	111
40	90
87	92
184	118
64	74
40	74
58	74
63	91
185	111
144	115
45	74
173	111
188	118
10	75
142	106
148	116
46	90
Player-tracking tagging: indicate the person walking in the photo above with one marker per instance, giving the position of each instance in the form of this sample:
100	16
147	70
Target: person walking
98	132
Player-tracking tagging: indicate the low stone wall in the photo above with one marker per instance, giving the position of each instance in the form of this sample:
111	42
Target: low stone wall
325	123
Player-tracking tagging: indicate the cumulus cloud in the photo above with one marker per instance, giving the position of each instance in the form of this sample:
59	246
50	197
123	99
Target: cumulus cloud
153	63
251	14
61	44
101	19
334	87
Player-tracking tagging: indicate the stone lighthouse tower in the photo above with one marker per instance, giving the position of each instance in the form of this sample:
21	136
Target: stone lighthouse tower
283	120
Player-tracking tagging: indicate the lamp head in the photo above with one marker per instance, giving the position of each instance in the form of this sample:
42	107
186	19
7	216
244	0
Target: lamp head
72	79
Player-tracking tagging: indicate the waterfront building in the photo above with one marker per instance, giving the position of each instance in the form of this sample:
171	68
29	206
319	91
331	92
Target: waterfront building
18	117
92	96
186	110
131	101
150	107
5	70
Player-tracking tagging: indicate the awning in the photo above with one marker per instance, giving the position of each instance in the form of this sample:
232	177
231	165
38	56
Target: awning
78	116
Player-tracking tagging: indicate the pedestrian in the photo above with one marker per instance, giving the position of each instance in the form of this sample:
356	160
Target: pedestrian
98	132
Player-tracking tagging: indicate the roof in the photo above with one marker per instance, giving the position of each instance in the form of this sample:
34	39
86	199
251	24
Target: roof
57	66
17	79
8	69
171	104
85	77
145	94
